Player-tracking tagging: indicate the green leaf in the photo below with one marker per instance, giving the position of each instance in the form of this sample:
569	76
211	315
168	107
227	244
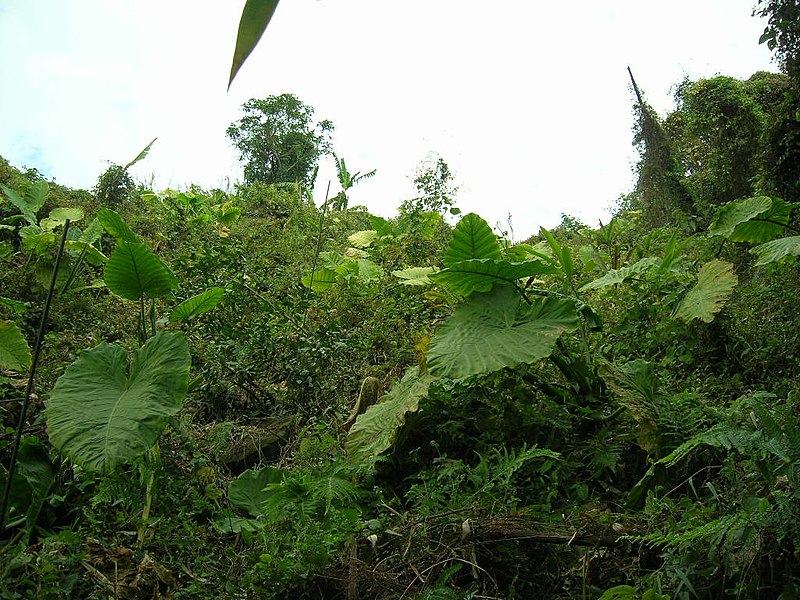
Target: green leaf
116	225
363	239
197	305
141	155
489	332
59	216
479	275
15	305
134	271
415	275
94	256
756	220
777	250
715	283
36	240
322	279
375	430
101	415
31	202
36	468
619	592
255	18
472	238
616	276
15	353
247	493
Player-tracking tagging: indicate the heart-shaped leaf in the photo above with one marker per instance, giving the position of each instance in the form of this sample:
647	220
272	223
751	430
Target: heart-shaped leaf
715	283
197	305
133	271
489	332
101	414
14	350
472	238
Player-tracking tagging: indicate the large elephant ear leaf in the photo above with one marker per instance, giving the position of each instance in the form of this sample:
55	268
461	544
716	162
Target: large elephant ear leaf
376	429
488	332
756	220
14	350
100	415
472	238
777	250
134	271
715	283
480	274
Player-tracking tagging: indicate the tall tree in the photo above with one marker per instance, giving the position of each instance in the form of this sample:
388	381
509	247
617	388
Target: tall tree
434	183
278	140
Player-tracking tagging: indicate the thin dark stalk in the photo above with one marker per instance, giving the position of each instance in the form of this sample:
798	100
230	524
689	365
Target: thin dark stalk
31	375
318	247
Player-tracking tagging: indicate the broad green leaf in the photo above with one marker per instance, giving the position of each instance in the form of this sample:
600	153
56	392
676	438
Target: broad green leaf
415	275
116	225
715	283
31	202
375	430
381	225
363	239
489	332
141	155
368	271
197	305
255	18
247	493
616	276
756	220
322	279
14	350
93	255
59	216
480	274
777	250
472	238
36	468
101	414
15	305
134	271
36	240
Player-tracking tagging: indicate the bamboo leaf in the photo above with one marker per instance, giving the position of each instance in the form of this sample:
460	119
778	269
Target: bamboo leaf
141	155
256	16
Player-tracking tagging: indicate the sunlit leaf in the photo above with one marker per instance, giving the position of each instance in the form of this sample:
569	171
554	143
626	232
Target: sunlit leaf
715	283
375	430
363	239
322	279
256	16
415	275
197	305
59	216
616	276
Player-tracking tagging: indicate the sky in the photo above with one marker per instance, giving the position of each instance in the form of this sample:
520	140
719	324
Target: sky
529	103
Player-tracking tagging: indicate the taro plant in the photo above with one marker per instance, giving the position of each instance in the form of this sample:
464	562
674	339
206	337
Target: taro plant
110	407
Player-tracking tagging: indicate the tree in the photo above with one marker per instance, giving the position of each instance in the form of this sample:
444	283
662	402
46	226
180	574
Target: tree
278	141
434	183
782	33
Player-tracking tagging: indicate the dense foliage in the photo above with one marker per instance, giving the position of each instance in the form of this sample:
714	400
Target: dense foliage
250	395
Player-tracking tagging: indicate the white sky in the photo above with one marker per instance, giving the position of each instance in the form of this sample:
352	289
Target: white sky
528	102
